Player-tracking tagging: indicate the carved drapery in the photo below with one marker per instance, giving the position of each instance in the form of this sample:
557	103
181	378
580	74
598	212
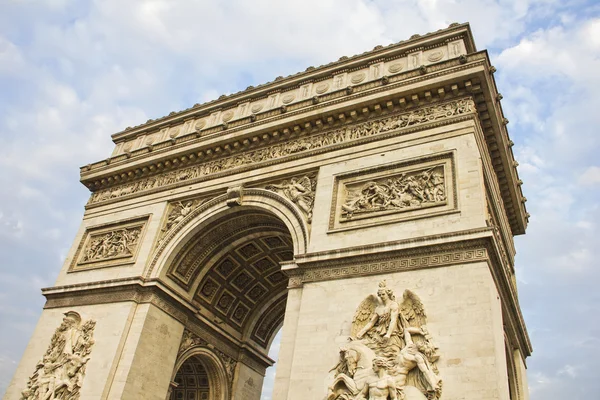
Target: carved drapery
389	354
108	245
300	190
59	374
301	145
402	192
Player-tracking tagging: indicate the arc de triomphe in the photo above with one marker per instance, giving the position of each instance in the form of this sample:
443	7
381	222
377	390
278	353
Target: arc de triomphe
367	207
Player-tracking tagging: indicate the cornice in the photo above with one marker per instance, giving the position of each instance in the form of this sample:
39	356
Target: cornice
232	163
415	43
301	119
477	245
467	75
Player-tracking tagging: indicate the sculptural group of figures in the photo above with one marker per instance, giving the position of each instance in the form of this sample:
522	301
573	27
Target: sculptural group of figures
113	244
389	355
405	191
59	375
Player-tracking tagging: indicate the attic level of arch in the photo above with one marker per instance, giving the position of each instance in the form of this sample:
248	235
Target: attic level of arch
453	33
476	82
252	130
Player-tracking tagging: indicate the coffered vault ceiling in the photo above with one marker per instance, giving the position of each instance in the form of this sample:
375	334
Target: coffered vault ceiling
236	261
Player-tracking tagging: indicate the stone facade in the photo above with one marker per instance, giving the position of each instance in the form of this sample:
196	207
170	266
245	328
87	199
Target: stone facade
287	205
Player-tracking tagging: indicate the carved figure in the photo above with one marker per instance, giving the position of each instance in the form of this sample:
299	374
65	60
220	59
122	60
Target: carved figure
118	243
177	213
352	370
300	191
406	191
381	386
395	339
59	375
331	137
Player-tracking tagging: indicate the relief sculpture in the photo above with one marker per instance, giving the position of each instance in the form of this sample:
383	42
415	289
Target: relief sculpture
114	244
332	137
301	191
177	212
406	191
389	354
59	374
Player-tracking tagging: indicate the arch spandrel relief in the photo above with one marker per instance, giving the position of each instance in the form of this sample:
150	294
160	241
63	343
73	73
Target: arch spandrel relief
59	374
299	189
389	354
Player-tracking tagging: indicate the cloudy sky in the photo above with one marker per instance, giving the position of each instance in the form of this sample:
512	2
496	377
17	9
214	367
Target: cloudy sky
74	72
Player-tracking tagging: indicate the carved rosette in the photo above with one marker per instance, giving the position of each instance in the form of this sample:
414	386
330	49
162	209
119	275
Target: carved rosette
300	190
59	374
307	144
389	350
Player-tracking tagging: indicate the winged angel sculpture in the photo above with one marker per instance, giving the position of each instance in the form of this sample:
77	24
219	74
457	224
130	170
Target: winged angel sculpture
301	191
389	354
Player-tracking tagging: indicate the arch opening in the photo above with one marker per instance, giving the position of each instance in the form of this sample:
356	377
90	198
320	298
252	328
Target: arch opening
199	374
191	381
231	270
269	382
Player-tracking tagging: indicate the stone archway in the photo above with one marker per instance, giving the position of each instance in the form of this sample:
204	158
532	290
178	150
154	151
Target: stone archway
393	165
199	374
230	270
204	215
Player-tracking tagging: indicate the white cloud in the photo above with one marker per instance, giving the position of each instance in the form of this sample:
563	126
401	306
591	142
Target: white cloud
591	176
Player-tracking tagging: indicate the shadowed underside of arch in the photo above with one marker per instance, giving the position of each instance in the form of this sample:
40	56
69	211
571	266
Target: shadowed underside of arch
233	268
192	381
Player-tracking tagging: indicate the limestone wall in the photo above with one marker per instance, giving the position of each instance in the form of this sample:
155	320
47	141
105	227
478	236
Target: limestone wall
463	316
113	322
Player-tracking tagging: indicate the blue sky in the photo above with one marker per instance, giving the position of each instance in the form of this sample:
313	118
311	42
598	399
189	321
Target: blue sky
74	72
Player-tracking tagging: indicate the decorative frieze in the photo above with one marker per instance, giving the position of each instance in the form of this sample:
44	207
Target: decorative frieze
412	189
304	275
114	244
109	245
306	144
59	374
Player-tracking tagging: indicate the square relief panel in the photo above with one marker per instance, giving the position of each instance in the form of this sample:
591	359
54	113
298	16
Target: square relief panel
411	189
109	245
209	288
225	301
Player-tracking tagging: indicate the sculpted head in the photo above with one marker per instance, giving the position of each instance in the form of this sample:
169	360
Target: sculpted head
71	319
385	293
412	348
380	363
